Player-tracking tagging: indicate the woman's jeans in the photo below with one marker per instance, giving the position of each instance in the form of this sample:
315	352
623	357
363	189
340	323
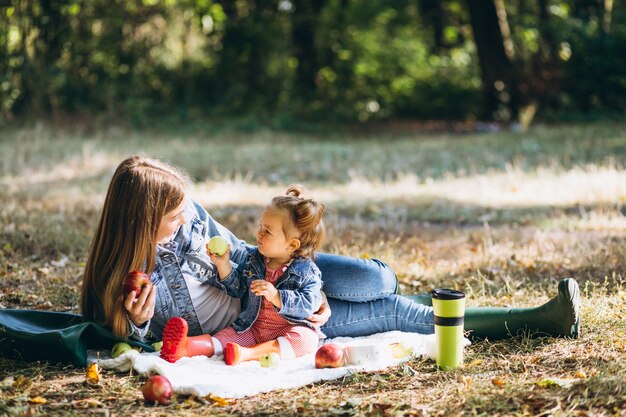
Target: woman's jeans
362	299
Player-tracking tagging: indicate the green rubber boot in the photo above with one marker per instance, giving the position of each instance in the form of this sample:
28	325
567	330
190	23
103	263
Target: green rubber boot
559	317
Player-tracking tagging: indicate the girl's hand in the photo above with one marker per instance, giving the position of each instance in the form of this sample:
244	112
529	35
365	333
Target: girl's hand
141	310
321	316
266	289
224	268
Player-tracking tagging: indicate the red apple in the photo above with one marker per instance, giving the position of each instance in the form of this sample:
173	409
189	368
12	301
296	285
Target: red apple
136	281
157	389
330	356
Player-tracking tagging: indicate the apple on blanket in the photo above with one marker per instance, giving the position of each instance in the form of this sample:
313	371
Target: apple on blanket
332	355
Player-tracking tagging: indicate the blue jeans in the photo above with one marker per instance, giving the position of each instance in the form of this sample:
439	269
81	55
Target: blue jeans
362	299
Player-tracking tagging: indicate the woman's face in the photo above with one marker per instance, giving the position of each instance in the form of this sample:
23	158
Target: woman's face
170	224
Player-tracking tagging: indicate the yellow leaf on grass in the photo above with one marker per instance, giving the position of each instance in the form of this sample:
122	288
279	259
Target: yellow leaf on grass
87	403
37	400
93	373
192	402
581	374
22	382
475	362
498	382
218	400
546	383
555	382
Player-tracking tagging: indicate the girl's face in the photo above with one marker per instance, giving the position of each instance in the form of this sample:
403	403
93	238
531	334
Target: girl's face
271	239
170	224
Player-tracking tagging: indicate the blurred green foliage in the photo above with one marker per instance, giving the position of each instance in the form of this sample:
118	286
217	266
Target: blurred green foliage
334	60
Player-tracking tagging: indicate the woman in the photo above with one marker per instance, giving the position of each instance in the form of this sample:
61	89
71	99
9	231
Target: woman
149	224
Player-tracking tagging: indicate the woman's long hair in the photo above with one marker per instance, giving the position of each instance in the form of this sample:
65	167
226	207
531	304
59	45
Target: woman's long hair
141	192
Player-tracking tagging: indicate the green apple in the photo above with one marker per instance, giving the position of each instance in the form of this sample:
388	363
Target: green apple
120	348
218	245
157	346
270	359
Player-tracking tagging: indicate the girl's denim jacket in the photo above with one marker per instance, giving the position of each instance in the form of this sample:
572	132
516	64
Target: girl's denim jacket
185	257
299	288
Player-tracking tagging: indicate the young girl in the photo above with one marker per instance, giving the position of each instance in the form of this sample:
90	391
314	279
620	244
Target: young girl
148	223
279	285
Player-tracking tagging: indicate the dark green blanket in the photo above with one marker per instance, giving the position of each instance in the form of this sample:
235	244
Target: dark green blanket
50	336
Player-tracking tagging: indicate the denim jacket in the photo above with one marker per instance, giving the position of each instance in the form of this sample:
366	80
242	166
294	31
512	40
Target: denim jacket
299	288
185	256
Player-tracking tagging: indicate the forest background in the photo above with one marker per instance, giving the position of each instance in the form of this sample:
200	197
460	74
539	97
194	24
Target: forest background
280	63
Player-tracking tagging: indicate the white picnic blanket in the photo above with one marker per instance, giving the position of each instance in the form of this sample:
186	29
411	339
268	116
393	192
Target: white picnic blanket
202	376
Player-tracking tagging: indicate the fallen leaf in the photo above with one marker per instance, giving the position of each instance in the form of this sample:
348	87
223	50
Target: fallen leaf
93	374
37	400
192	402
581	374
497	382
22	382
555	382
546	383
219	401
475	362
87	403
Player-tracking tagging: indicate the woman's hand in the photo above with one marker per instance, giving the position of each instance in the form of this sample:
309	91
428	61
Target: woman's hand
266	289
141	310
321	316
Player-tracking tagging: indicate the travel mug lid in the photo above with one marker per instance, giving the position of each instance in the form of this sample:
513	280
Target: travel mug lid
447	294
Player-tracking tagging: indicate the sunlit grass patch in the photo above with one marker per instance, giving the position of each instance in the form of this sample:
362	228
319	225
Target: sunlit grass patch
500	216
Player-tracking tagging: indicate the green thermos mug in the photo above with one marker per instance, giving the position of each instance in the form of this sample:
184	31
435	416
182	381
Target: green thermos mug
449	309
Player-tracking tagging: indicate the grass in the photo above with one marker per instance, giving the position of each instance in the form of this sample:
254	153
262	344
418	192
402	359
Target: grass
501	216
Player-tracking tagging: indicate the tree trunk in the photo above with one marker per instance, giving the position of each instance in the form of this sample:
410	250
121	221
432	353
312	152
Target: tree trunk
304	22
241	70
547	32
497	72
586	10
432	15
